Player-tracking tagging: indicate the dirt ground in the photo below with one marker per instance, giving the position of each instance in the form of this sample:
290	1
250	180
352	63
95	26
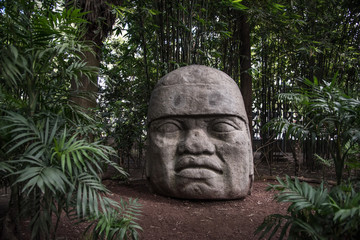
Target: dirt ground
167	218
172	219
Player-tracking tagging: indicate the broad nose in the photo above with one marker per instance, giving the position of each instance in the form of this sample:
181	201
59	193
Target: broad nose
196	141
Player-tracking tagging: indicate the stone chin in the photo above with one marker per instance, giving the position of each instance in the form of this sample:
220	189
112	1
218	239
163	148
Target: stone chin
211	187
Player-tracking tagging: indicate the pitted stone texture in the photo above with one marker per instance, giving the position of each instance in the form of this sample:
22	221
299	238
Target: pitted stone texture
196	90
199	143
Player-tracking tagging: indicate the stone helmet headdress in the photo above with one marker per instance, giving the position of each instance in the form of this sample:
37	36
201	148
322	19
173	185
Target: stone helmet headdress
196	90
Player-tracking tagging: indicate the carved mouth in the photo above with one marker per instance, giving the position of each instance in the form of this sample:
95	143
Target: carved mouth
198	167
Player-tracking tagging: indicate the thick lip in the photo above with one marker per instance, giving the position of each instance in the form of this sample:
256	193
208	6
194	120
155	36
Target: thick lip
199	162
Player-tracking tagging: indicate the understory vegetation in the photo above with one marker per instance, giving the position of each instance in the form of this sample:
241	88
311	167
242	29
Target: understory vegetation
76	77
314	212
51	156
322	212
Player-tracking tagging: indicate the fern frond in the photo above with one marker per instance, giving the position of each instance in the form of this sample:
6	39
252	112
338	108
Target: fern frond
89	193
118	223
301	195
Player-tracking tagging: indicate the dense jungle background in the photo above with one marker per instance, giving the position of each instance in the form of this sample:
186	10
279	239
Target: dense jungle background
75	82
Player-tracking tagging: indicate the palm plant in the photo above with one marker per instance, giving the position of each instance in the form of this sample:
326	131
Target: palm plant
325	113
112	225
314	213
57	172
46	156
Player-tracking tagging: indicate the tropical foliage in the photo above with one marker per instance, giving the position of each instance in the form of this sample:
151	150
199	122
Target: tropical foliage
49	55
47	157
300	40
305	73
289	40
325	114
55	171
112	225
314	213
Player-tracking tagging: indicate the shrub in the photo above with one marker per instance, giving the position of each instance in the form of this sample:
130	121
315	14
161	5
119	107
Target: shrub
325	112
314	213
47	155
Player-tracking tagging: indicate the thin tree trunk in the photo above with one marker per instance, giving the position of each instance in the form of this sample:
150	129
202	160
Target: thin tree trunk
100	21
245	66
144	45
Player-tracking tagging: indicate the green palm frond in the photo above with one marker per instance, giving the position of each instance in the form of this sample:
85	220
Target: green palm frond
323	161
35	137
305	230
104	152
49	160
40	224
42	52
74	153
295	98
314	213
326	113
89	192
301	195
305	202
44	178
70	153
13	65
118	223
343	214
6	167
291	129
55	163
130	209
345	202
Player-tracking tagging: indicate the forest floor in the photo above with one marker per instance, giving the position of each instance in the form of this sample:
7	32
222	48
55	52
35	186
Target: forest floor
172	219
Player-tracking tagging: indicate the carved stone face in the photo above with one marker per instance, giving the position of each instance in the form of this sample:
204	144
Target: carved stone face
198	144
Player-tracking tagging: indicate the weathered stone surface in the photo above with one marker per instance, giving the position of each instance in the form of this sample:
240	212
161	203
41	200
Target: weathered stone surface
198	137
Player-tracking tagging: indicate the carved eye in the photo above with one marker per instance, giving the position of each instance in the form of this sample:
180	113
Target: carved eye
224	126
169	127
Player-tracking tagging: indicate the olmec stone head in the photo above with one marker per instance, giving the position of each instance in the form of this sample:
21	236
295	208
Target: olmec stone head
199	143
